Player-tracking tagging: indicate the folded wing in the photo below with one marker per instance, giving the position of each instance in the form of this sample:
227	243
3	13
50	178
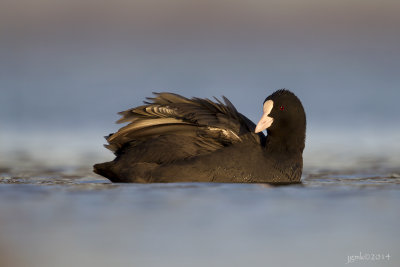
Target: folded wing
209	125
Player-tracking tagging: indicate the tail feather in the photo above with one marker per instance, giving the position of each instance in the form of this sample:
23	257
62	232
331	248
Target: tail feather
106	169
139	172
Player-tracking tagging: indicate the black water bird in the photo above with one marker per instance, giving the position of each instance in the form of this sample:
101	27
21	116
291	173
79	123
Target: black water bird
175	139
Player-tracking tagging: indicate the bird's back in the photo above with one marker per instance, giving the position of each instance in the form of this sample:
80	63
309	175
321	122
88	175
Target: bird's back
173	138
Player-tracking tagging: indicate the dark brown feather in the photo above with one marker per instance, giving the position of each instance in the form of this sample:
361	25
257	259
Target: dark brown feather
211	125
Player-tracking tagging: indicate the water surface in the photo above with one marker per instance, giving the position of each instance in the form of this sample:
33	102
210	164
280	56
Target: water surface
68	216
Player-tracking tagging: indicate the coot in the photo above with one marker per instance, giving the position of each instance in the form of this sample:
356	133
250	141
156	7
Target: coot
175	139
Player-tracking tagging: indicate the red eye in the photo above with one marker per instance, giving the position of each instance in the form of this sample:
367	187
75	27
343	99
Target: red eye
282	108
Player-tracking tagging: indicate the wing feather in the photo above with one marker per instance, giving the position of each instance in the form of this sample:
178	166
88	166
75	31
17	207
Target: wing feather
212	124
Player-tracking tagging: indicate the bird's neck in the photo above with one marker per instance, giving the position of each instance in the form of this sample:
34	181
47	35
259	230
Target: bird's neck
283	144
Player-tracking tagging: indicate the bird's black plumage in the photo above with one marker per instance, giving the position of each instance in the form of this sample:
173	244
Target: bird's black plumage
175	139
